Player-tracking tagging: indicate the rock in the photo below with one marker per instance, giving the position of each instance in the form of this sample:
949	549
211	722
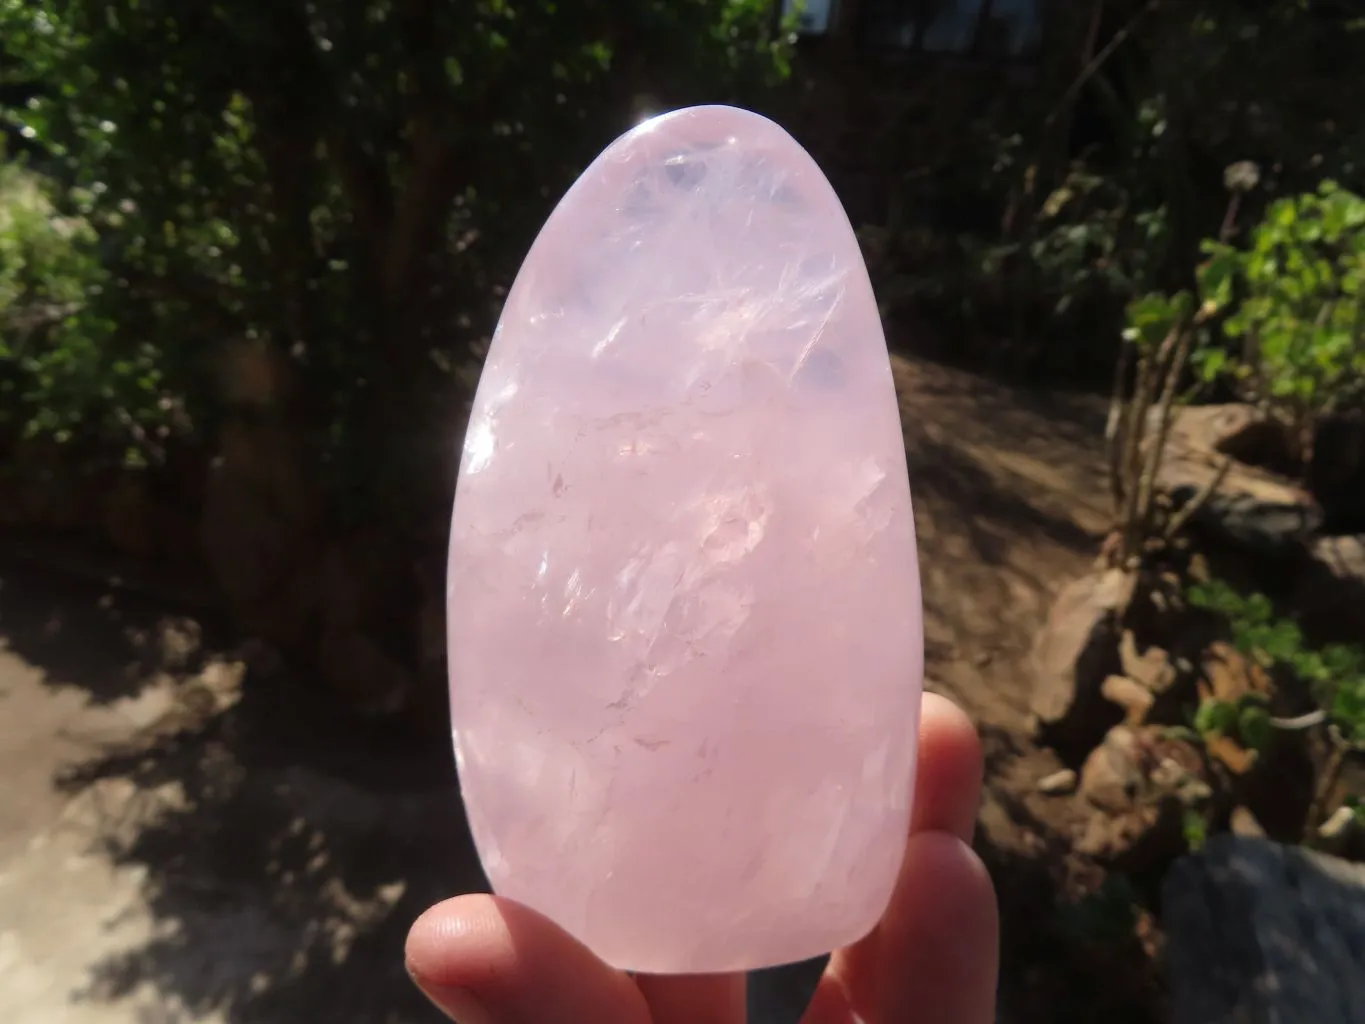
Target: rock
1151	668
1073	654
1243	823
222	678
1231	754
178	641
1232	428
1341	821
1161	685
1342	558
1337	473
1261	933
1135	766
1114	776
1329	588
1058	783
1135	699
1252	507
1265	517
1140	781
1228	675
1189	787
1140	836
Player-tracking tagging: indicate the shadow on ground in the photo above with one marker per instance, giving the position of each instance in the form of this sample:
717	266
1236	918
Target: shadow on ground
285	849
1072	937
95	638
1008	495
283	887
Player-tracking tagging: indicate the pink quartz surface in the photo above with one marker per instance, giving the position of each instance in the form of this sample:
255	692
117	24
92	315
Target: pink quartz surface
684	608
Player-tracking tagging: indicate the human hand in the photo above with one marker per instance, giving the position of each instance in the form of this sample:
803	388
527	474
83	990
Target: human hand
931	960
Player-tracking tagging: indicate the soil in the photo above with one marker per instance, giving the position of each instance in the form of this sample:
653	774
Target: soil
176	847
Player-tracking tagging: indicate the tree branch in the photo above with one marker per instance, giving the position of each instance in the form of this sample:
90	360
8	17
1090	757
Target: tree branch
1098	61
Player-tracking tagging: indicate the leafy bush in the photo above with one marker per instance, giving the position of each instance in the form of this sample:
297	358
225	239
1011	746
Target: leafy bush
1295	299
59	369
1246	720
1335	673
1158	339
349	187
1090	239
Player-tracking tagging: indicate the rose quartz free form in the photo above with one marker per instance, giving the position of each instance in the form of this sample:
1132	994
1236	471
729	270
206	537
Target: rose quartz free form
684	607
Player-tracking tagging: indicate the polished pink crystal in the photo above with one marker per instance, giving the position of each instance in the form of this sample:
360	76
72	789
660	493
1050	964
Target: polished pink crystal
684	607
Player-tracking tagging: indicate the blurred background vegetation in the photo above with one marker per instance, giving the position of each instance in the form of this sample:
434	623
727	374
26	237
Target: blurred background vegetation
251	254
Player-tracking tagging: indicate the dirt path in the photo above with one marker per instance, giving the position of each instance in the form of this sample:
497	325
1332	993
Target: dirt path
1008	489
262	862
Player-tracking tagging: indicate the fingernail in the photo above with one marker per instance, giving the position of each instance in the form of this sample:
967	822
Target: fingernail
459	1004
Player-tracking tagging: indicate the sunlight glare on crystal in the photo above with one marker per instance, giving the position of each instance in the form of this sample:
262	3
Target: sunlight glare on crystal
479	447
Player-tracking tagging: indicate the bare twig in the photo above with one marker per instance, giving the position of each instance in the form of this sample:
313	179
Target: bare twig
1065	104
1134	429
1327	782
1147	484
1096	62
1230	218
1113	435
1191	508
1066	111
1135	513
1308	721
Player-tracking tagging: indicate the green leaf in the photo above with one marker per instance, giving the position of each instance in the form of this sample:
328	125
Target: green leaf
1216	717
1217	276
1151	318
1194	827
1211	362
1254	728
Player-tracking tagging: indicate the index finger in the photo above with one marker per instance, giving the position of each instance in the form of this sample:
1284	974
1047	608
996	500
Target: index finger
940	876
